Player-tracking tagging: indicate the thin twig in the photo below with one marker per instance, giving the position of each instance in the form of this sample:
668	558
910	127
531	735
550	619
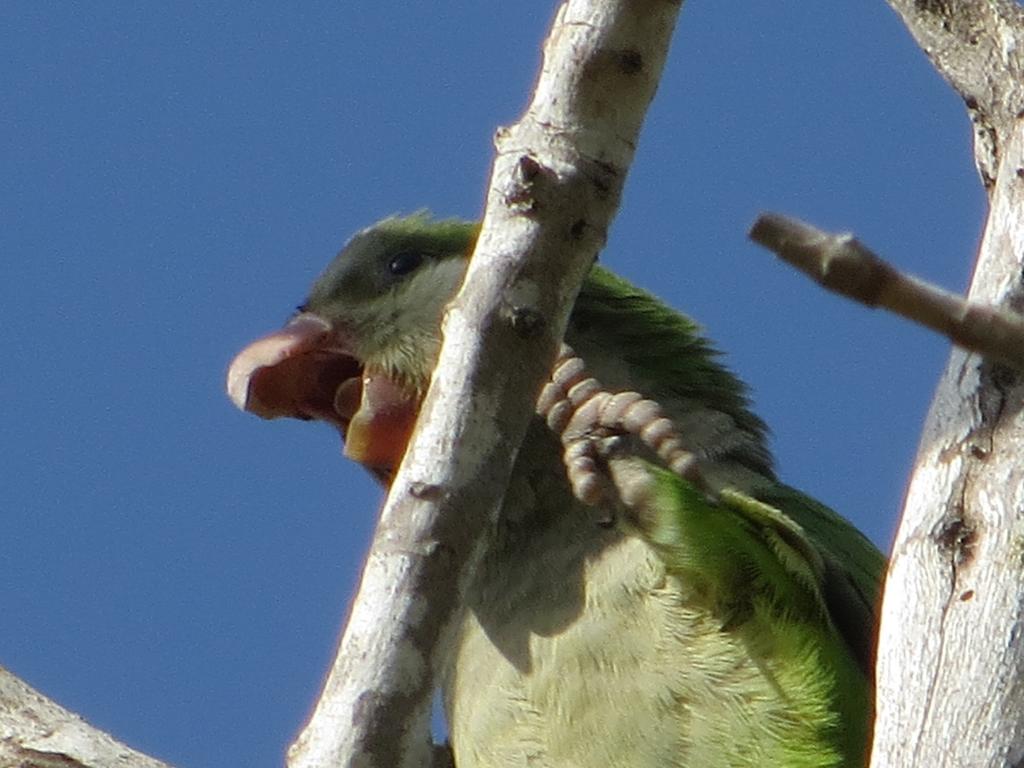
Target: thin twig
844	265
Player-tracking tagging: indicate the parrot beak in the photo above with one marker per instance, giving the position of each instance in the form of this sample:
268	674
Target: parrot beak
292	372
307	370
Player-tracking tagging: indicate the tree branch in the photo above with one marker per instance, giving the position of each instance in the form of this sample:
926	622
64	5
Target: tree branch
978	46
555	186
35	732
950	672
842	264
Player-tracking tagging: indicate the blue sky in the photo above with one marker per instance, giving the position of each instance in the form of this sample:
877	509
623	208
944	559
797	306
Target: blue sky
172	177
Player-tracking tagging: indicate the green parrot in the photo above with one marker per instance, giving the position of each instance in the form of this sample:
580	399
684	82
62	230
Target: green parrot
729	623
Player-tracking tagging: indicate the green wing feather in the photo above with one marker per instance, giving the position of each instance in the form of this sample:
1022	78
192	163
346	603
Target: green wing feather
668	358
853	567
769	583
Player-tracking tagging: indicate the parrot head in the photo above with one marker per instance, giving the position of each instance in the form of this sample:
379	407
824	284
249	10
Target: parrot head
359	352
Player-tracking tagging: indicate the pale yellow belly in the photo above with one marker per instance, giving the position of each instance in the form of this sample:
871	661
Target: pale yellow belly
624	674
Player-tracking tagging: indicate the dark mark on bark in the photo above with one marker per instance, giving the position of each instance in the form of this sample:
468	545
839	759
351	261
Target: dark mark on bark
631	62
426	491
527	322
956	538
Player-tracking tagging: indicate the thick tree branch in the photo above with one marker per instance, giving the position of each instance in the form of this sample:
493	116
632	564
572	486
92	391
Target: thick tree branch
555	186
842	264
950	672
978	46
35	732
951	653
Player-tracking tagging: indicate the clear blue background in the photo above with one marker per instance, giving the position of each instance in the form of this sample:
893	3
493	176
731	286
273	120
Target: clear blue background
173	176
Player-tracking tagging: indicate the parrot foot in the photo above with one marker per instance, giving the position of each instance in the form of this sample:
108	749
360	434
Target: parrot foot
604	436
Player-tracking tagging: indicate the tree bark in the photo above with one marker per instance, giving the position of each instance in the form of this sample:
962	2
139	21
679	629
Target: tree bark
843	265
950	688
35	732
555	186
976	46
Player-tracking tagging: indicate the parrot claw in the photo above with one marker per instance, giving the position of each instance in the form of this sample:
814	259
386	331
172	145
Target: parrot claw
604	433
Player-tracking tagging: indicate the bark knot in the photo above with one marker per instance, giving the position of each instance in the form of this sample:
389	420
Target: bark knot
956	538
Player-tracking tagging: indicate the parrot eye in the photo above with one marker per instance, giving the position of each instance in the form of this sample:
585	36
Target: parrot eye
404	263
